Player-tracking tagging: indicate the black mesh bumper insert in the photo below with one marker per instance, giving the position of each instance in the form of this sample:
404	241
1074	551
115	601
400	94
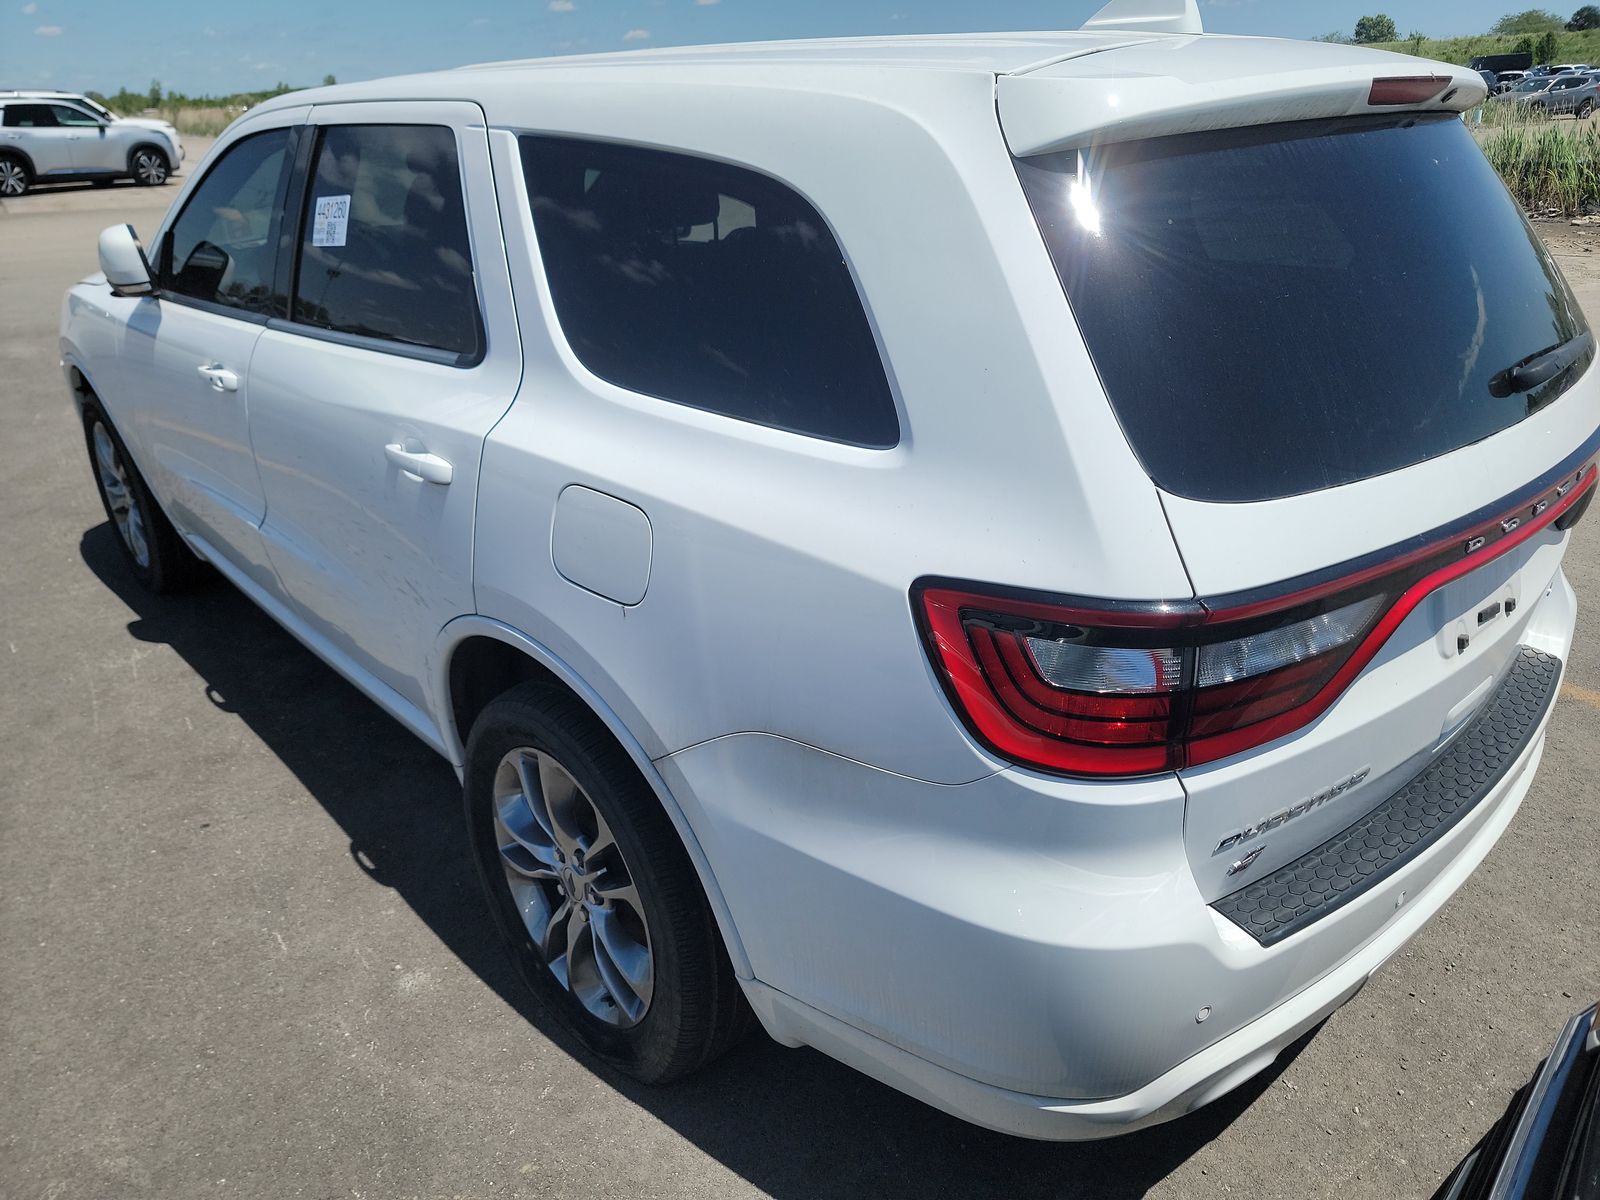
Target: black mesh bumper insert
1408	822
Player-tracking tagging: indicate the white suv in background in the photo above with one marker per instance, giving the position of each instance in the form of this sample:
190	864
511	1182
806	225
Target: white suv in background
99	110
967	547
58	138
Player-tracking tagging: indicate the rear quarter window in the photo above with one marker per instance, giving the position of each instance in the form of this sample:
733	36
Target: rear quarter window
708	285
1280	309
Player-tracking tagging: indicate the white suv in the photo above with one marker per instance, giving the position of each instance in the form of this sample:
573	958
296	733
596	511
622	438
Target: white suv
99	110
1032	562
56	138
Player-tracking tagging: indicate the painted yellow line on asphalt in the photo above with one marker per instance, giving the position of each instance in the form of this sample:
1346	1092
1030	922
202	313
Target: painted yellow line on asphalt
1582	694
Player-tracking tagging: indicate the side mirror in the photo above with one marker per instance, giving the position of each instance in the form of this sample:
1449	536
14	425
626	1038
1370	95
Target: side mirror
123	262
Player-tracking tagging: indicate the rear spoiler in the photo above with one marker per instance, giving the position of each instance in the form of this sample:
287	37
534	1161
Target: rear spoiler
1184	84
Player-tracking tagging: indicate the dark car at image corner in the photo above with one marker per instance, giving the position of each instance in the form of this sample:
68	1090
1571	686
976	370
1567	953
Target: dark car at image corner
1547	1144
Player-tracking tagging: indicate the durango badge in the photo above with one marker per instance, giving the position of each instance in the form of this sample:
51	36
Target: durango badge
1285	815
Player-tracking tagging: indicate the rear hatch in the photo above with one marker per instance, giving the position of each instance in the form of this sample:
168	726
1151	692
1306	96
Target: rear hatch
1357	379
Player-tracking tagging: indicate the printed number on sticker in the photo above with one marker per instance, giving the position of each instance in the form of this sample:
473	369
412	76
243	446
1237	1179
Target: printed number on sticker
330	221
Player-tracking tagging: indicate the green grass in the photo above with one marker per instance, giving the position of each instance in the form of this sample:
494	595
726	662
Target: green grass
1552	166
1574	47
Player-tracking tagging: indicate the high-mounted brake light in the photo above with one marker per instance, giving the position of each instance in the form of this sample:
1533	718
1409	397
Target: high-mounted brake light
1406	89
1116	688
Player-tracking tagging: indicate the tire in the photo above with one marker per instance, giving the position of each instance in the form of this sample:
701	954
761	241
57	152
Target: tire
562	823
149	166
15	177
159	557
1585	109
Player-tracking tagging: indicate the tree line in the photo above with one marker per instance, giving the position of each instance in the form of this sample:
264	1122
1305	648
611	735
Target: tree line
126	101
1535	29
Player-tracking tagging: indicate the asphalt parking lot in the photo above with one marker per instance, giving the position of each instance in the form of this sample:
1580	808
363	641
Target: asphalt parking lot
242	951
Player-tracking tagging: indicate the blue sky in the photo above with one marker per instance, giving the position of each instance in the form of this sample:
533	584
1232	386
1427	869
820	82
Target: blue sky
203	46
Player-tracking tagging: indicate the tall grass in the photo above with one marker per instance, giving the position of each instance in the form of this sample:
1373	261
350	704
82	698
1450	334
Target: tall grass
1552	166
205	120
192	120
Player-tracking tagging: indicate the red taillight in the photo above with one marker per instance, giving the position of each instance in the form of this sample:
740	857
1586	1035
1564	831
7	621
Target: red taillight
1406	89
1053	686
1127	689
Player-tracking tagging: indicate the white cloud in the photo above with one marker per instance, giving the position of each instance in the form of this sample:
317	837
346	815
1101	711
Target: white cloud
562	5
48	31
636	35
706	3
29	9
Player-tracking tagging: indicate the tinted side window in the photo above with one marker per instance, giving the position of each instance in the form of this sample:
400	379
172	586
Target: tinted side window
30	116
66	114
384	250
223	246
706	284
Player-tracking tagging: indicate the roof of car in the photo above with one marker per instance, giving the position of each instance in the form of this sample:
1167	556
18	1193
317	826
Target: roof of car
977	53
1256	78
987	53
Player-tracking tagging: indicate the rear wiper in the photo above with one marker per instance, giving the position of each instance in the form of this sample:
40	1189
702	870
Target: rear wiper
1541	367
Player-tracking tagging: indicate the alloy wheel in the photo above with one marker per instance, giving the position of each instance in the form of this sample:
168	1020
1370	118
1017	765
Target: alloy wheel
572	887
121	498
13	178
150	167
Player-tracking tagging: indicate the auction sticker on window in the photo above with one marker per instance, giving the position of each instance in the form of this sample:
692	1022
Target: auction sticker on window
331	221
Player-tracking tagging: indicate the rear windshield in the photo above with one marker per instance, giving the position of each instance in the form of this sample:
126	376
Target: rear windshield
1286	308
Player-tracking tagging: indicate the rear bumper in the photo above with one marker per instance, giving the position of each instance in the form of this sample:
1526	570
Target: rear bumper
1034	954
1206	1075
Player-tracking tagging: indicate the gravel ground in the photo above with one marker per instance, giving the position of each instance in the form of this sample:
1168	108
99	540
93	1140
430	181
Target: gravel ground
241	951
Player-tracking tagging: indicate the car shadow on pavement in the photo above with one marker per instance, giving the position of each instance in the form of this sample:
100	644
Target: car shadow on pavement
39	188
795	1124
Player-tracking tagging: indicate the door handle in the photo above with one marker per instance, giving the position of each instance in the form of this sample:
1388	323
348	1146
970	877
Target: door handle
419	464
220	378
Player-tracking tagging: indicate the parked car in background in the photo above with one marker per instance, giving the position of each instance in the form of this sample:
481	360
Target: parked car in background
934	625
1547	1144
1532	88
1507	80
1567	68
60	140
1572	92
101	111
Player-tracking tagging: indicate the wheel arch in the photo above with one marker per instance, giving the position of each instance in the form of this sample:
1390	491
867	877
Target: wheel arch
148	145
26	159
79	384
477	659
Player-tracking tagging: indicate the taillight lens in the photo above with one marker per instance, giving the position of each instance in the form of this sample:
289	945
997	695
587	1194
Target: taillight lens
1263	653
1054	687
1116	688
